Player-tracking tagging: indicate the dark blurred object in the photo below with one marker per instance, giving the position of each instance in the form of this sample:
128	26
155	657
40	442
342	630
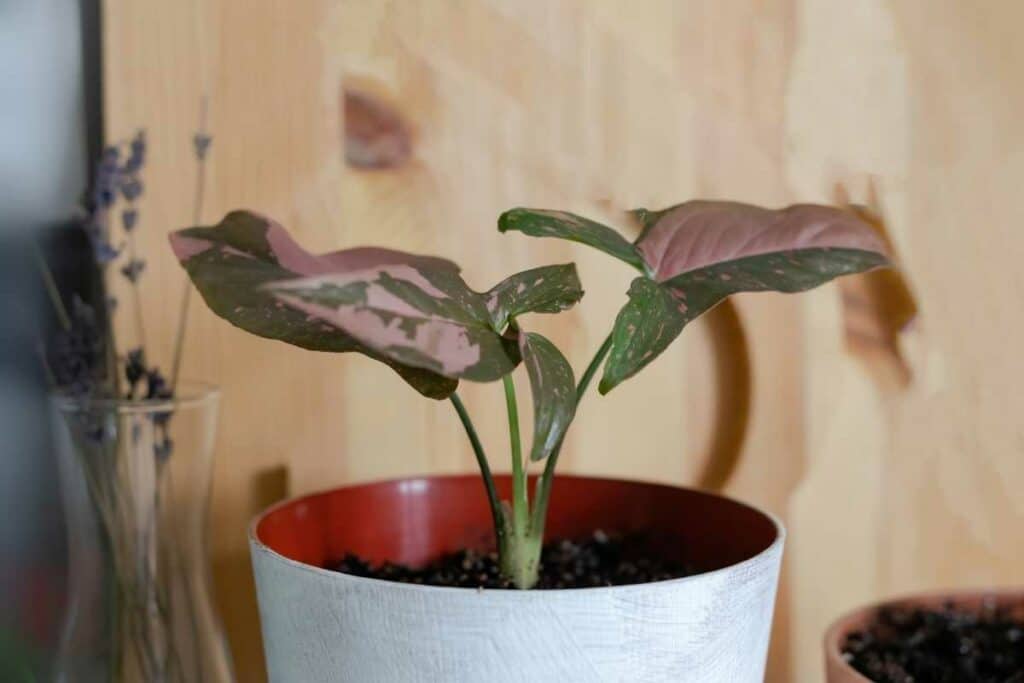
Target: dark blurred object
50	125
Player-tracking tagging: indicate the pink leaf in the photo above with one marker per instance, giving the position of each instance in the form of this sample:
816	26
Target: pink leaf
703	233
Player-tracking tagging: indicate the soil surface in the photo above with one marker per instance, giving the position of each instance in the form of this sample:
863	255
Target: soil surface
941	646
600	560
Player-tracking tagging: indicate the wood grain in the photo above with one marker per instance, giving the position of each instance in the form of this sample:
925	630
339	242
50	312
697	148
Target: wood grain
597	107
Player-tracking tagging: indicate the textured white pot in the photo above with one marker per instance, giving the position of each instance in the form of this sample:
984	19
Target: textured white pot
320	625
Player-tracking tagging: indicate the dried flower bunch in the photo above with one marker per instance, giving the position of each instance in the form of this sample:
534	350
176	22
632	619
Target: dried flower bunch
416	314
82	359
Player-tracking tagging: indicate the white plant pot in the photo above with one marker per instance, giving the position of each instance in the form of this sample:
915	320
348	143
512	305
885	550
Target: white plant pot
321	626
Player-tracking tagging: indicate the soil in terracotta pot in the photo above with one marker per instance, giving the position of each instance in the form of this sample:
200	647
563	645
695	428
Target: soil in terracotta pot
913	645
600	560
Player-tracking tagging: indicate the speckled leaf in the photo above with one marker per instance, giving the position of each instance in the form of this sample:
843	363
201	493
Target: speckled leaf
232	263
644	327
568	226
702	233
702	252
423	319
548	289
554	392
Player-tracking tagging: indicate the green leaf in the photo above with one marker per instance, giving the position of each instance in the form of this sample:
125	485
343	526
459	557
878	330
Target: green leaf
644	327
548	289
554	392
568	226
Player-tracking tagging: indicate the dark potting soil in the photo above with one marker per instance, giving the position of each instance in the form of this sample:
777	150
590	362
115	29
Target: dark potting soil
600	560
911	645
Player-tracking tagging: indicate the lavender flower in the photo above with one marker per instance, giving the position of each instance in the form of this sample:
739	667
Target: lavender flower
103	251
201	143
157	387
107	173
117	174
101	199
137	153
77	353
131	187
133	269
129	217
134	369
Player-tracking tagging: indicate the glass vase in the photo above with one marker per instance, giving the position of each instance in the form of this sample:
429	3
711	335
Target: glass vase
136	483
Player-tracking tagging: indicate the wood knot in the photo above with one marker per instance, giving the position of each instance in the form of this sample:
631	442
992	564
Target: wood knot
376	137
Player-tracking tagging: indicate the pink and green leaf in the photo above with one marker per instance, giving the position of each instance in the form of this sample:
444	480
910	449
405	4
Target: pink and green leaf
702	233
658	311
554	392
548	289
414	313
650	321
436	323
232	263
702	252
569	226
696	254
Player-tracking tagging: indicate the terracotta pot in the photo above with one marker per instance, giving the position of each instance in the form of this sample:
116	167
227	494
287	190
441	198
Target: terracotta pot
838	671
320	625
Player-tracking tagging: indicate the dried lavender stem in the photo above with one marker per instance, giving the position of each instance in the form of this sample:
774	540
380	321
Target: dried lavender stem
197	211
51	289
51	378
115	373
140	327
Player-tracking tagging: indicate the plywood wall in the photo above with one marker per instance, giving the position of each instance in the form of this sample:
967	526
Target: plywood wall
896	455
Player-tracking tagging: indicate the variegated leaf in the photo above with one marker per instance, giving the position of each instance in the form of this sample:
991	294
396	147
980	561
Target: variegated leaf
569	226
695	254
702	233
701	252
554	392
426	320
644	327
548	289
414	313
232	262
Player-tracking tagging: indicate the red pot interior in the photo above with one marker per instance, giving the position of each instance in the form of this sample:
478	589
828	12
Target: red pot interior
836	668
413	521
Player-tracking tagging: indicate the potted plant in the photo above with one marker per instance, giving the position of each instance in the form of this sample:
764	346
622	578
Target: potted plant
943	637
657	583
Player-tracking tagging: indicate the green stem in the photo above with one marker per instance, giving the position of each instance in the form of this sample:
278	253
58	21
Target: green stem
520	495
485	469
543	493
591	370
519	553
